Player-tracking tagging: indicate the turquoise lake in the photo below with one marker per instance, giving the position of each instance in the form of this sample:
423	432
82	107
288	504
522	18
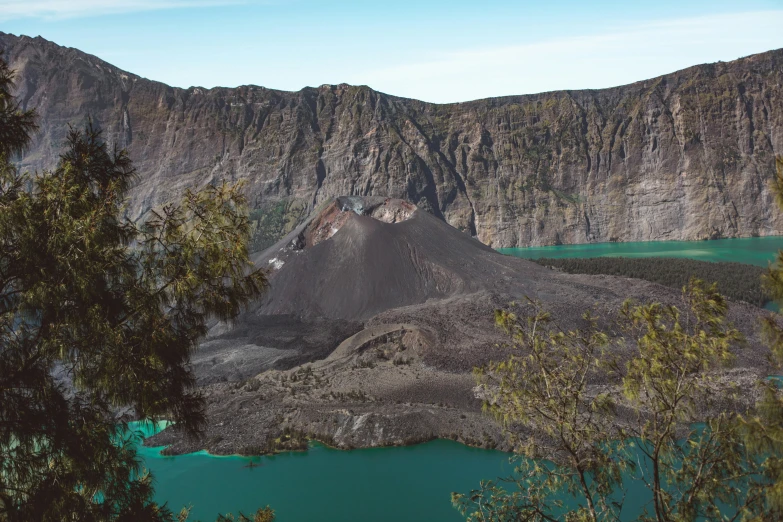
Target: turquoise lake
411	483
752	250
386	484
377	484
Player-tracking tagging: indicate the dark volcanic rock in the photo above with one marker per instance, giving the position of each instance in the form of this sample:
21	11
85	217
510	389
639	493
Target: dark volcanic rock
369	265
687	155
391	309
255	343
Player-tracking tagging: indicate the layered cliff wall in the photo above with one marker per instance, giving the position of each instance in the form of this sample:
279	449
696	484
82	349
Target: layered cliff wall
683	156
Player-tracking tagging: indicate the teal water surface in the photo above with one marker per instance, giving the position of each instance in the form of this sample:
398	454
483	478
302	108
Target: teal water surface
388	484
377	484
412	483
758	251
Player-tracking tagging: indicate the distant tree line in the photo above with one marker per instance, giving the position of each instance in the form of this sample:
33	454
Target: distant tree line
737	281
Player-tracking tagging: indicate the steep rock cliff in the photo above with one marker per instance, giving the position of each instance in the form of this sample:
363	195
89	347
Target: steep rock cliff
683	156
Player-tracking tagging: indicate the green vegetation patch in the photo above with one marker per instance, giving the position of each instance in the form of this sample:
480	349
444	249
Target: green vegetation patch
269	223
737	281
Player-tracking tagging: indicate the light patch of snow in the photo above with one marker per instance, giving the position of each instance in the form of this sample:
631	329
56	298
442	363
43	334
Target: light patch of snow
276	263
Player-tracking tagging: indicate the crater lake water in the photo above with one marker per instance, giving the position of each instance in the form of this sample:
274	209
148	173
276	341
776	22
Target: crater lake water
385	484
323	484
757	251
412	483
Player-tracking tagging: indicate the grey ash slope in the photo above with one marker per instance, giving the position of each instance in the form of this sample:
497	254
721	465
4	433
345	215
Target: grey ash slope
376	315
357	258
368	265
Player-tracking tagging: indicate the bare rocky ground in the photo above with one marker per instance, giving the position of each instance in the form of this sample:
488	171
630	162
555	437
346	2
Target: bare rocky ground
322	356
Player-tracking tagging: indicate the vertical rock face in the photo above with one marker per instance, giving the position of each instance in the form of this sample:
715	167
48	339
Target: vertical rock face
684	156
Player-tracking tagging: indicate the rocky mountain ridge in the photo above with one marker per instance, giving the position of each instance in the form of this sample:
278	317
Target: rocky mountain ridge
687	155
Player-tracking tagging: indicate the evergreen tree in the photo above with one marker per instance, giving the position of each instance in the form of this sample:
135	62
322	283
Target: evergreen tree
763	430
98	316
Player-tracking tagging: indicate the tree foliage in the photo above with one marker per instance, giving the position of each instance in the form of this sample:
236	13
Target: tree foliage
265	514
728	468
692	472
16	125
545	388
554	393
98	317
763	428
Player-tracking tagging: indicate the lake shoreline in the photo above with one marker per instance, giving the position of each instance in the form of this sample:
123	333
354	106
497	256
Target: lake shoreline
311	443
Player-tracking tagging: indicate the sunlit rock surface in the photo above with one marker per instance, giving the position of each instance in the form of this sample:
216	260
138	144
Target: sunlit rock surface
687	155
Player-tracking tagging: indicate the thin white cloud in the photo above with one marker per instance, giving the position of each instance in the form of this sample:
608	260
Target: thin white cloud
58	9
594	61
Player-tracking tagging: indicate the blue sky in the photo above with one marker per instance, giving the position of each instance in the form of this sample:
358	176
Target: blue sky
439	51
